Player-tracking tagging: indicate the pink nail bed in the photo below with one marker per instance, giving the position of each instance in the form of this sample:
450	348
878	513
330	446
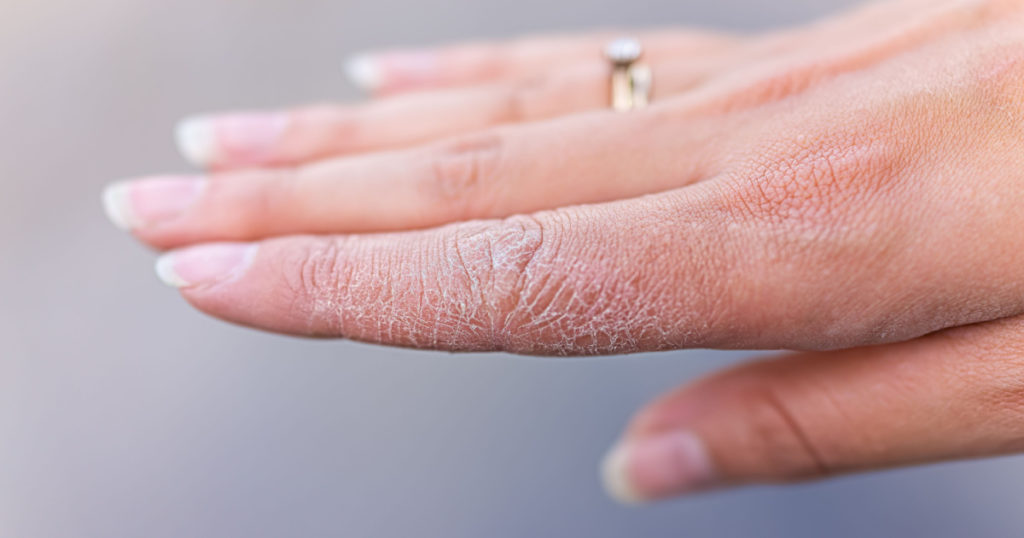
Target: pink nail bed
391	70
249	138
205	264
161	199
407	67
670	464
147	202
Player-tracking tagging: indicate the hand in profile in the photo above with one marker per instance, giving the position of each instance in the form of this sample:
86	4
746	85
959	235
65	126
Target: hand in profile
853	189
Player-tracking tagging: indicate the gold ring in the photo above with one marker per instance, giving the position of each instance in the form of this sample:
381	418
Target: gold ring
631	80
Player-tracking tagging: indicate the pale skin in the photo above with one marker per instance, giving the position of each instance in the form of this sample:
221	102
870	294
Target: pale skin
851	189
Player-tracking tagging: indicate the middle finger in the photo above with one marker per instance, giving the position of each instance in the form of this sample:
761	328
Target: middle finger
510	170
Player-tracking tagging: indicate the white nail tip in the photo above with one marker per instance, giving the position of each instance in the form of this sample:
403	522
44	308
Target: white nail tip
165	270
363	72
196	139
118	207
615	477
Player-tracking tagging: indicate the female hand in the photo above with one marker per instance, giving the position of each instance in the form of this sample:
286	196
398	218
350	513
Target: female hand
857	182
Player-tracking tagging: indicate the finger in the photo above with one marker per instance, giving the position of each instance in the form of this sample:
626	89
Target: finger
948	396
509	171
305	134
487	63
686	268
552	284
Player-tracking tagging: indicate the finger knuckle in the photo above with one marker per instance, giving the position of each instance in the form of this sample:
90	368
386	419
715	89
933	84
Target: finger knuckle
810	182
338	128
537	302
462	174
819	200
826	208
492	261
526	100
316	278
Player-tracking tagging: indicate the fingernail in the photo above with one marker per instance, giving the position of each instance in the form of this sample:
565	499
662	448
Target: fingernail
643	470
363	72
243	138
132	205
371	72
205	264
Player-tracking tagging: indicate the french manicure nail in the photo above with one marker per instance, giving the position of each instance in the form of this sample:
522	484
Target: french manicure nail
648	469
394	69
242	138
196	139
132	205
363	72
205	264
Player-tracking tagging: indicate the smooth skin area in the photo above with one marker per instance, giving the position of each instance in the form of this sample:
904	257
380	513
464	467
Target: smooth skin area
852	190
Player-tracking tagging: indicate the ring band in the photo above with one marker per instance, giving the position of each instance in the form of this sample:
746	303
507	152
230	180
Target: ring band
631	81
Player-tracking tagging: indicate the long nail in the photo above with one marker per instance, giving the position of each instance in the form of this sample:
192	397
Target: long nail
205	264
647	469
388	70
241	139
363	71
133	205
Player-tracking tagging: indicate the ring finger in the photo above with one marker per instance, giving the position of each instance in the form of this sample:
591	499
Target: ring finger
316	132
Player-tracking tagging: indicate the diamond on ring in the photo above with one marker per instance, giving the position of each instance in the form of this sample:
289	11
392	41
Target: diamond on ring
630	79
624	51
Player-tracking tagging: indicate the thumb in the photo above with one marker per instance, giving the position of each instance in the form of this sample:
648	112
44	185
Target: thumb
956	394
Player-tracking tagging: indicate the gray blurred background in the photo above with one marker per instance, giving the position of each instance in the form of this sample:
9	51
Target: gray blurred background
123	413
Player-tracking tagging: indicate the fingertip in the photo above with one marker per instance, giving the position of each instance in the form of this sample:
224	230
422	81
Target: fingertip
615	476
117	206
363	71
166	273
205	265
665	465
196	140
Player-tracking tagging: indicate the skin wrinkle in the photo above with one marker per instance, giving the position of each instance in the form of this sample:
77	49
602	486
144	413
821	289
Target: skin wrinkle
531	273
859	437
557	301
522	100
478	257
392	298
460	330
434	291
515	254
459	265
312	283
817	461
650	285
464	170
573	321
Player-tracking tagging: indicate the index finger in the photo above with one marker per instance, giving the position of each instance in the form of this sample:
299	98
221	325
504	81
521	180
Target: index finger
678	270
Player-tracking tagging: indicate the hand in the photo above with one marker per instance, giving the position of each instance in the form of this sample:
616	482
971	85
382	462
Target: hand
857	182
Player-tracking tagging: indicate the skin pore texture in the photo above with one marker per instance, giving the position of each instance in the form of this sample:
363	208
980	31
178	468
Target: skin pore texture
851	189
